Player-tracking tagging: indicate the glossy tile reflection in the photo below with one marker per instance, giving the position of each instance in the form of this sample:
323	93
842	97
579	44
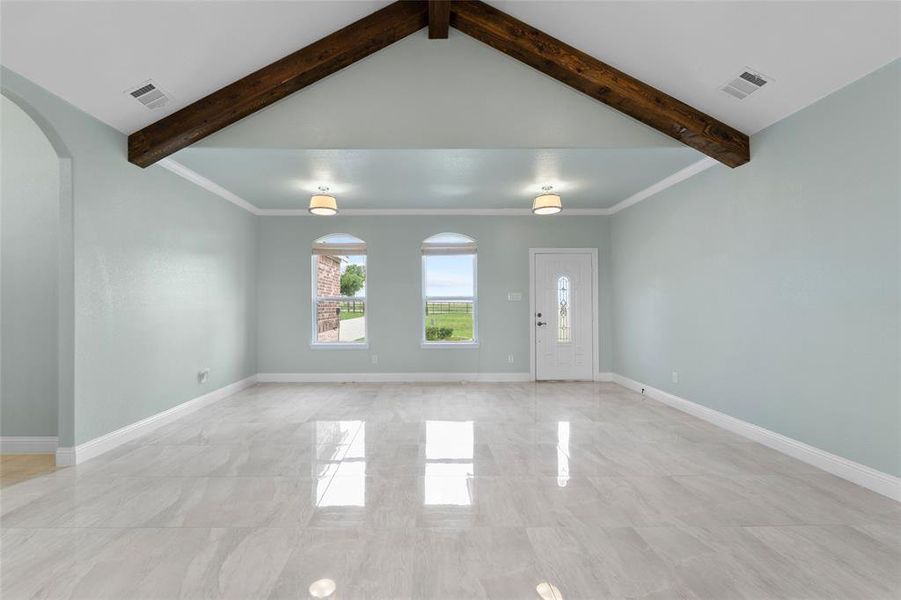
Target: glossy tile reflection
322	588
562	453
449	467
341	469
548	591
542	491
449	440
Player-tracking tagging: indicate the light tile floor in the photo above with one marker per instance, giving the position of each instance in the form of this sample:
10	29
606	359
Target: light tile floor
452	491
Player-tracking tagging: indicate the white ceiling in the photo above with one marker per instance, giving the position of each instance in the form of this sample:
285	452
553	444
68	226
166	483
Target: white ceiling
690	49
447	124
421	93
89	53
436	178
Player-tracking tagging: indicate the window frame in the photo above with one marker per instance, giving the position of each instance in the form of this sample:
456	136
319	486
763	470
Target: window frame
315	298
436	345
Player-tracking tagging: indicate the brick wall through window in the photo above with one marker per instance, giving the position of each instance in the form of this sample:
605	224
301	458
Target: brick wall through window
328	283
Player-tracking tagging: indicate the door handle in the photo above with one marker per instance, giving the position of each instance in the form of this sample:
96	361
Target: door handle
540	323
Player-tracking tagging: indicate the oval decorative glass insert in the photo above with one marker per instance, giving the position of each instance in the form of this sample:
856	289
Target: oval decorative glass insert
564	330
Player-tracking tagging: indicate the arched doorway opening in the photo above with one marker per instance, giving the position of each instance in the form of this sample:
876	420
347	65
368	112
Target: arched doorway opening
36	283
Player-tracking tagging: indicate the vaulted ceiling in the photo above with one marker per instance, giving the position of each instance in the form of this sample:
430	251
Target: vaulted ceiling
91	53
505	131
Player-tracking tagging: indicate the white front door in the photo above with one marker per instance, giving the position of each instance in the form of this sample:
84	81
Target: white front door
563	318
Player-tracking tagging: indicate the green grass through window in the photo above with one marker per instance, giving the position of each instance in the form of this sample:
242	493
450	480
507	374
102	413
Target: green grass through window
461	323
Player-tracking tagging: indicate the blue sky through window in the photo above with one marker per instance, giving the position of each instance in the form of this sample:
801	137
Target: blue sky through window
449	275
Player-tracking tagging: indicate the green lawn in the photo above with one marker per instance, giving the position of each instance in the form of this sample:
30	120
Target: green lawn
461	323
346	314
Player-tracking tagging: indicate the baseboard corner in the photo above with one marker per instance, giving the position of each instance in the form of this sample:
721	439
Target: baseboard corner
65	457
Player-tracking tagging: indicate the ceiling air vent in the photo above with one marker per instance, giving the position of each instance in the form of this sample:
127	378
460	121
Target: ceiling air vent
745	84
150	95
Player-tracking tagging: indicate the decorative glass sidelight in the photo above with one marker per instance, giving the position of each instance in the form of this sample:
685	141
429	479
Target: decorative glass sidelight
564	330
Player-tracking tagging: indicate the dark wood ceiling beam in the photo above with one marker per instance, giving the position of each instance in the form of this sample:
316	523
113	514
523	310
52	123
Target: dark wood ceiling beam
276	81
400	19
439	19
601	81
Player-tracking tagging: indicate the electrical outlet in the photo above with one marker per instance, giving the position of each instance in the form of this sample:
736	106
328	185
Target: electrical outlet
510	358
374	358
675	376
203	376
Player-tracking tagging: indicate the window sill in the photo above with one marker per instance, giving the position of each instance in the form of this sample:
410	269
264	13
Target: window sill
340	346
448	345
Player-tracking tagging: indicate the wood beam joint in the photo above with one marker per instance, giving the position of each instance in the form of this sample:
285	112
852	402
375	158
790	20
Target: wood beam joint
481	21
439	19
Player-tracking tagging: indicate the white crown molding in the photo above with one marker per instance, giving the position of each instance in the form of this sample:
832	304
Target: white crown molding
28	444
677	177
862	475
412	212
392	377
72	456
211	186
207	184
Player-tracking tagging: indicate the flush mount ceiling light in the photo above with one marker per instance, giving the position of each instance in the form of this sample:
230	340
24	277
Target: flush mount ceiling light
322	204
547	203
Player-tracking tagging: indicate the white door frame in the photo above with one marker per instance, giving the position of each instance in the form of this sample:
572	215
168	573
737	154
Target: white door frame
594	303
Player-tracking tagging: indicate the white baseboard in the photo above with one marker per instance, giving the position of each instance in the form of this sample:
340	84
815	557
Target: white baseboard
877	481
65	457
862	475
28	444
105	443
391	377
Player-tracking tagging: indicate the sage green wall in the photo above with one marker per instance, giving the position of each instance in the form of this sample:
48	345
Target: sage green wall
29	224
773	288
164	278
394	291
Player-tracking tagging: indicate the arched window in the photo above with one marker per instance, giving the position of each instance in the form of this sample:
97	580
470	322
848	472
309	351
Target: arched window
450	306
339	291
